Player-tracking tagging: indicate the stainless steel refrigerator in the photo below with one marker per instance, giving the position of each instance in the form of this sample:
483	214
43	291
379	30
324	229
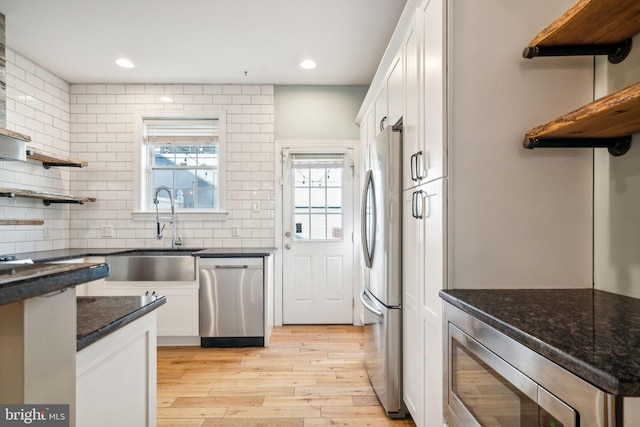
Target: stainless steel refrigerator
382	290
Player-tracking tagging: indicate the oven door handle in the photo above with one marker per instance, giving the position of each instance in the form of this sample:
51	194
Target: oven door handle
556	407
369	306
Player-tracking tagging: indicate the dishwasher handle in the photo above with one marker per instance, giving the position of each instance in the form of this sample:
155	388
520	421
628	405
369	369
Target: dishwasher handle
231	266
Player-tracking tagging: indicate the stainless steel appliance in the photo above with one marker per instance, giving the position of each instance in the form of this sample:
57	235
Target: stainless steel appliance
382	290
231	302
490	379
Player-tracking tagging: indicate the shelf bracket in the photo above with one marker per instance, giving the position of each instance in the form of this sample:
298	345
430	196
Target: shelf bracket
49	165
616	146
75	202
616	52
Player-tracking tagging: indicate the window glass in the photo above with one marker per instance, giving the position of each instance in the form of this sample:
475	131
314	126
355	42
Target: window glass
185	155
318	197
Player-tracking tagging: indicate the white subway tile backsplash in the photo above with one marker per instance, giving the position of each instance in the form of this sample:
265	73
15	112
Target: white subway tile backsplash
94	122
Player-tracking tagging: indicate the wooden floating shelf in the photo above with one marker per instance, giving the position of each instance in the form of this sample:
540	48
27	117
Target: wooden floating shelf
47	198
588	27
21	221
49	161
16	135
611	119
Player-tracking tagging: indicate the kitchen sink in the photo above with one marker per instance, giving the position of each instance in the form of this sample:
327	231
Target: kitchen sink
152	265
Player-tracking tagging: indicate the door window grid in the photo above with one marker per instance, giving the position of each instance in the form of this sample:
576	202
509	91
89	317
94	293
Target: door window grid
318	199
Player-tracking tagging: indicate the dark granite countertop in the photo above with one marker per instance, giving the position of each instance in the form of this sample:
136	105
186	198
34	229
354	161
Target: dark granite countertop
101	316
591	333
22	281
66	254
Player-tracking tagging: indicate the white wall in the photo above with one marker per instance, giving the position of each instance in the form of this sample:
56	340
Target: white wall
318	112
617	194
102	133
38	106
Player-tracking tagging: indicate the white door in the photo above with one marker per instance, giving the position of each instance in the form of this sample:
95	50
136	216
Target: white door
317	260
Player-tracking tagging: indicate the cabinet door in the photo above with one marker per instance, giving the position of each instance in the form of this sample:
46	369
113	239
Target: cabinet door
412	249
394	92
179	316
411	139
434	250
381	110
432	164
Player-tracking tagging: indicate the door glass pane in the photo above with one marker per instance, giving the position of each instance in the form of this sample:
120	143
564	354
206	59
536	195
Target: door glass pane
317	200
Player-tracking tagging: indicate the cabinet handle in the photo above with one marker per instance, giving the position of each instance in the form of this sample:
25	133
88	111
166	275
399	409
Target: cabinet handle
413	165
382	123
421	170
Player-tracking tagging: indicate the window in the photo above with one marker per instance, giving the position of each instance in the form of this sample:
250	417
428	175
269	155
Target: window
185	154
318	211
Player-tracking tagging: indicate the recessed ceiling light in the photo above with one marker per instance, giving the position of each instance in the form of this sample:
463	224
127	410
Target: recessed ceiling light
125	63
308	64
166	99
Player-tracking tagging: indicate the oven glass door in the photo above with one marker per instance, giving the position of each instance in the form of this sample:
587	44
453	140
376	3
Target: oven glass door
489	392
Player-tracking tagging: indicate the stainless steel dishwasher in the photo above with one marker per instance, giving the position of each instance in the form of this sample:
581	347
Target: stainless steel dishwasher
231	302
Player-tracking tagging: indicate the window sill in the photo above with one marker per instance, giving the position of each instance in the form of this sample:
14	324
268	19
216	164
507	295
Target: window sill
182	216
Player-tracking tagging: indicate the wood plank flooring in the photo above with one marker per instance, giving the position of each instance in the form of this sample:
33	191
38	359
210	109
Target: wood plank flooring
309	376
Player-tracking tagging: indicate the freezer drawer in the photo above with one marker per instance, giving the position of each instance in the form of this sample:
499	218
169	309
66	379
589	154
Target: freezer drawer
383	353
231	302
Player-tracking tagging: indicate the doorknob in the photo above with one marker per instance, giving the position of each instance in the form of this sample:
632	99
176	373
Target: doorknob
287	234
287	246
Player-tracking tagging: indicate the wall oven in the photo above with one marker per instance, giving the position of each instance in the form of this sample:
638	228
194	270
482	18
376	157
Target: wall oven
492	380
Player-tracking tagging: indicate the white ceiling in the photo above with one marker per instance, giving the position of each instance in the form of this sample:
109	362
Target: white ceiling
203	41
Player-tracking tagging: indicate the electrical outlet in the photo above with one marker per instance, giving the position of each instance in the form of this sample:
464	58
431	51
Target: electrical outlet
106	231
47	233
235	230
256	206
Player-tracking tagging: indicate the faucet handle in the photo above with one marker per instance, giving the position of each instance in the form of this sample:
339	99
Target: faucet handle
178	241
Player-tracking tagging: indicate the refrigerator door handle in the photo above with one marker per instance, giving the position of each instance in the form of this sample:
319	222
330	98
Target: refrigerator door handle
369	306
365	232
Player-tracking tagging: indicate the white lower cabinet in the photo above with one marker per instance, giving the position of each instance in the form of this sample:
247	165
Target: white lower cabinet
178	317
116	377
423	277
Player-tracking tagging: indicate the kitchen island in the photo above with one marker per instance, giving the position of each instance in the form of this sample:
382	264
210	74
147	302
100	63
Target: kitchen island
48	338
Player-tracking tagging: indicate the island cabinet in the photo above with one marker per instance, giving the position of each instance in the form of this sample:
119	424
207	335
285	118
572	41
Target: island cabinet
116	377
38	350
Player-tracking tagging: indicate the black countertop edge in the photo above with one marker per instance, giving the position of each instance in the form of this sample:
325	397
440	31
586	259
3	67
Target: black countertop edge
609	369
100	316
67	254
47	282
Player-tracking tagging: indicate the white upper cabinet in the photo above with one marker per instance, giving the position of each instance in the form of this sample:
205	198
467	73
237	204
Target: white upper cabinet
394	93
412	144
381	110
432	164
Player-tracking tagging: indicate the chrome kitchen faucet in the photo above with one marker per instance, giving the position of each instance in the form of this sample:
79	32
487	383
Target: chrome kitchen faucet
172	219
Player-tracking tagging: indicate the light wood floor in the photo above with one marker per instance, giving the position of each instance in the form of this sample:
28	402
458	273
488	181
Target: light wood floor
310	376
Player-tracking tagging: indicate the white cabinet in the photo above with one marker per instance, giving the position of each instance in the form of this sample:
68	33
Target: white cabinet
116	377
38	351
394	93
178	317
424	273
424	102
412	145
388	103
432	163
380	110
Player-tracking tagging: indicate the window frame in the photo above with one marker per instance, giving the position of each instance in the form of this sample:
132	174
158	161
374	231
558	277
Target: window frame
142	163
